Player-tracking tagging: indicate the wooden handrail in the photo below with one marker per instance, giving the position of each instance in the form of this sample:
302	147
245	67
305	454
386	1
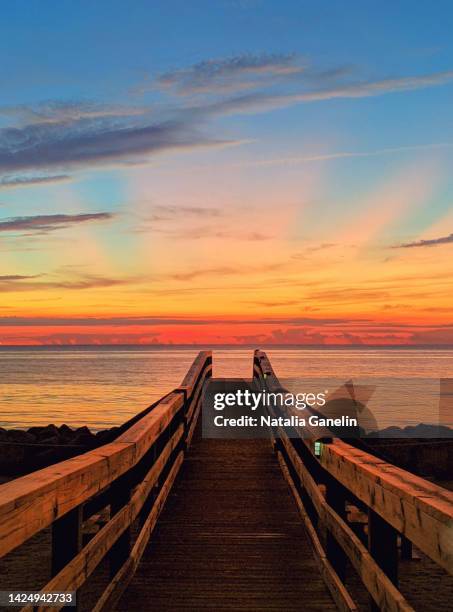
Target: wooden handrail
420	511
130	467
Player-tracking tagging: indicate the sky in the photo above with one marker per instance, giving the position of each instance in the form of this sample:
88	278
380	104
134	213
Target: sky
238	171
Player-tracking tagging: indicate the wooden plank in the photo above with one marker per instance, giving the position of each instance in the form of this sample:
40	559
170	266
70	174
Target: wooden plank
198	365
230	538
336	587
33	502
120	582
66	538
420	510
380	587
196	395
75	573
144	433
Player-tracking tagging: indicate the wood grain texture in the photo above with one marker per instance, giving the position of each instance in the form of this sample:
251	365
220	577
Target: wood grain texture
74	574
337	589
380	587
417	508
230	538
33	502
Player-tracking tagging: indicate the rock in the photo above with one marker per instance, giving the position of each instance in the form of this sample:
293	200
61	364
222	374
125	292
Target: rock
84	439
21	437
42	433
50	441
83	430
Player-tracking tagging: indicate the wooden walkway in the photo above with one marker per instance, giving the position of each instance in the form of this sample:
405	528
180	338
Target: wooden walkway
230	538
161	519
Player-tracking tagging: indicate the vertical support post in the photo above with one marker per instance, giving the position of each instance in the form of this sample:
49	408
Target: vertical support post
383	546
119	552
66	538
336	498
67	541
406	548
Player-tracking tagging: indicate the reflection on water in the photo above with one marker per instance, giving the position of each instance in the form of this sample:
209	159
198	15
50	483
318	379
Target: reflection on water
105	386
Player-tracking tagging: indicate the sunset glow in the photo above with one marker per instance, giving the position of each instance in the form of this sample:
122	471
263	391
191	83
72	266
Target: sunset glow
240	194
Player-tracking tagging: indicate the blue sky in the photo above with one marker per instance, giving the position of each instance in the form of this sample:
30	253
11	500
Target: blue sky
130	132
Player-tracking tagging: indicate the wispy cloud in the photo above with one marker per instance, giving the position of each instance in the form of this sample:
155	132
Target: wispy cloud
54	136
16	277
49	223
29	181
230	74
289	161
81	143
219	271
263	101
426	243
168	212
16	283
56	111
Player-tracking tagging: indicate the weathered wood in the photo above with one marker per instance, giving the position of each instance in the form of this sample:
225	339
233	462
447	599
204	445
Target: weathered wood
420	510
196	396
383	545
202	361
33	502
66	538
336	498
120	582
380	587
230	538
75	573
335	585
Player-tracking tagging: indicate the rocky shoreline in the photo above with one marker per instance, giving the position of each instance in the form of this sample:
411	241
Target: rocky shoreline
24	451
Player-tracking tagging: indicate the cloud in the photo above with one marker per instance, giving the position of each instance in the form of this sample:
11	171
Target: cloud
263	101
168	212
274	304
87	281
170	320
288	161
49	223
426	243
57	135
28	181
220	271
56	111
15	277
83	143
228	75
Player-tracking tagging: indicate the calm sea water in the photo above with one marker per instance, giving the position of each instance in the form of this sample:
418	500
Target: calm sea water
101	387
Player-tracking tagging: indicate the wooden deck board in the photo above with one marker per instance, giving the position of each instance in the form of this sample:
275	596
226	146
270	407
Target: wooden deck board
230	538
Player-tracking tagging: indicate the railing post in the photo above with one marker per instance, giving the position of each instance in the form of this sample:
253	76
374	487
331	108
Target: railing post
336	498
406	548
383	546
67	540
120	551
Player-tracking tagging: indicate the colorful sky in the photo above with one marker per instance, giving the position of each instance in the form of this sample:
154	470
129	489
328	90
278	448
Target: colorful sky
239	171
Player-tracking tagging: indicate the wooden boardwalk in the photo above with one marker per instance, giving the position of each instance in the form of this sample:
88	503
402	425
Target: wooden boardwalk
230	538
162	519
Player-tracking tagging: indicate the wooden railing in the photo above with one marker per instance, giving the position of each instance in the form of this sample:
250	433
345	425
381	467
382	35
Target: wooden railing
130	477
332	478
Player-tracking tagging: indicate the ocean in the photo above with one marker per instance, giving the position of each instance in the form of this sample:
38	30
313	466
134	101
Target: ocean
104	386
